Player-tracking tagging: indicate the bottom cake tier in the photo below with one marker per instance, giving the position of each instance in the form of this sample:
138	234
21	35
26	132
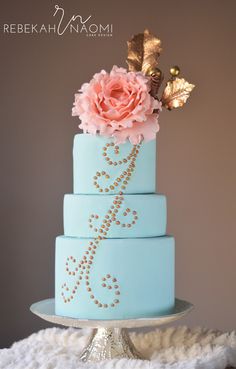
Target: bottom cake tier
115	279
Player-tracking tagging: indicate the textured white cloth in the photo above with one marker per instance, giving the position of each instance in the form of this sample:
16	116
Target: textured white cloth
172	348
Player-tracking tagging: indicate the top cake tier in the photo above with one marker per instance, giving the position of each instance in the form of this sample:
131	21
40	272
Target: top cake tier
101	167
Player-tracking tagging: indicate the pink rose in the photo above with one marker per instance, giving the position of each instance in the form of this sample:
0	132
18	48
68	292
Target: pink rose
118	104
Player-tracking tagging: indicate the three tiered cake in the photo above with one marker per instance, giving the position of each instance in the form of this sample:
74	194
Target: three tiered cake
115	260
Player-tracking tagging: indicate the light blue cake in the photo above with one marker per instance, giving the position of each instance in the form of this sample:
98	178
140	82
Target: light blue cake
85	223
140	270
90	157
114	260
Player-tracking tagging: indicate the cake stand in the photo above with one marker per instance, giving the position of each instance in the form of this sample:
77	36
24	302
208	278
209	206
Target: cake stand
110	338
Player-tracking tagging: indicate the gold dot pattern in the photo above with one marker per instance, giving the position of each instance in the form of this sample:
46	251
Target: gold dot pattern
80	269
124	178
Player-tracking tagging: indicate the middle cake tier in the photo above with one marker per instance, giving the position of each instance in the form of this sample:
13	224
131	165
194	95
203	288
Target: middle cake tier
139	216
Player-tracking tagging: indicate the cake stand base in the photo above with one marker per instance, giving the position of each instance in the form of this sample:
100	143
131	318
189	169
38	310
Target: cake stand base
110	338
109	343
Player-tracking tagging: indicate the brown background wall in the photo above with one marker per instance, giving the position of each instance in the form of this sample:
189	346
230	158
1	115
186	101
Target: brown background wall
196	165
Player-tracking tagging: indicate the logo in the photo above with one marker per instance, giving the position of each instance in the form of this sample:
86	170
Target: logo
77	24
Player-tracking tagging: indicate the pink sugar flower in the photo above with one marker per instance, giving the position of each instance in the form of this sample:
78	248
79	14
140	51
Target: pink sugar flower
118	104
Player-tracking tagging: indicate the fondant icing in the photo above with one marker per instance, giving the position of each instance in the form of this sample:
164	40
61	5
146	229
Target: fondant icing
141	271
139	215
114	261
90	157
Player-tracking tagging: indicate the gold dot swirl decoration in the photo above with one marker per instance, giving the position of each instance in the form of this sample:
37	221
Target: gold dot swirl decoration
122	180
80	269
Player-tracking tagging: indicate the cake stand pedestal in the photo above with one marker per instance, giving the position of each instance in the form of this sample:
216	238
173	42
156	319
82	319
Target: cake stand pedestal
110	338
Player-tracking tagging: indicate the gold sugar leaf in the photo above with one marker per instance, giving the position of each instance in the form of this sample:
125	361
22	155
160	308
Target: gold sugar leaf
176	93
143	52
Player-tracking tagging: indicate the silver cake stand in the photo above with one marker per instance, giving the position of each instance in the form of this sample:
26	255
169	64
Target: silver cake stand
110	338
